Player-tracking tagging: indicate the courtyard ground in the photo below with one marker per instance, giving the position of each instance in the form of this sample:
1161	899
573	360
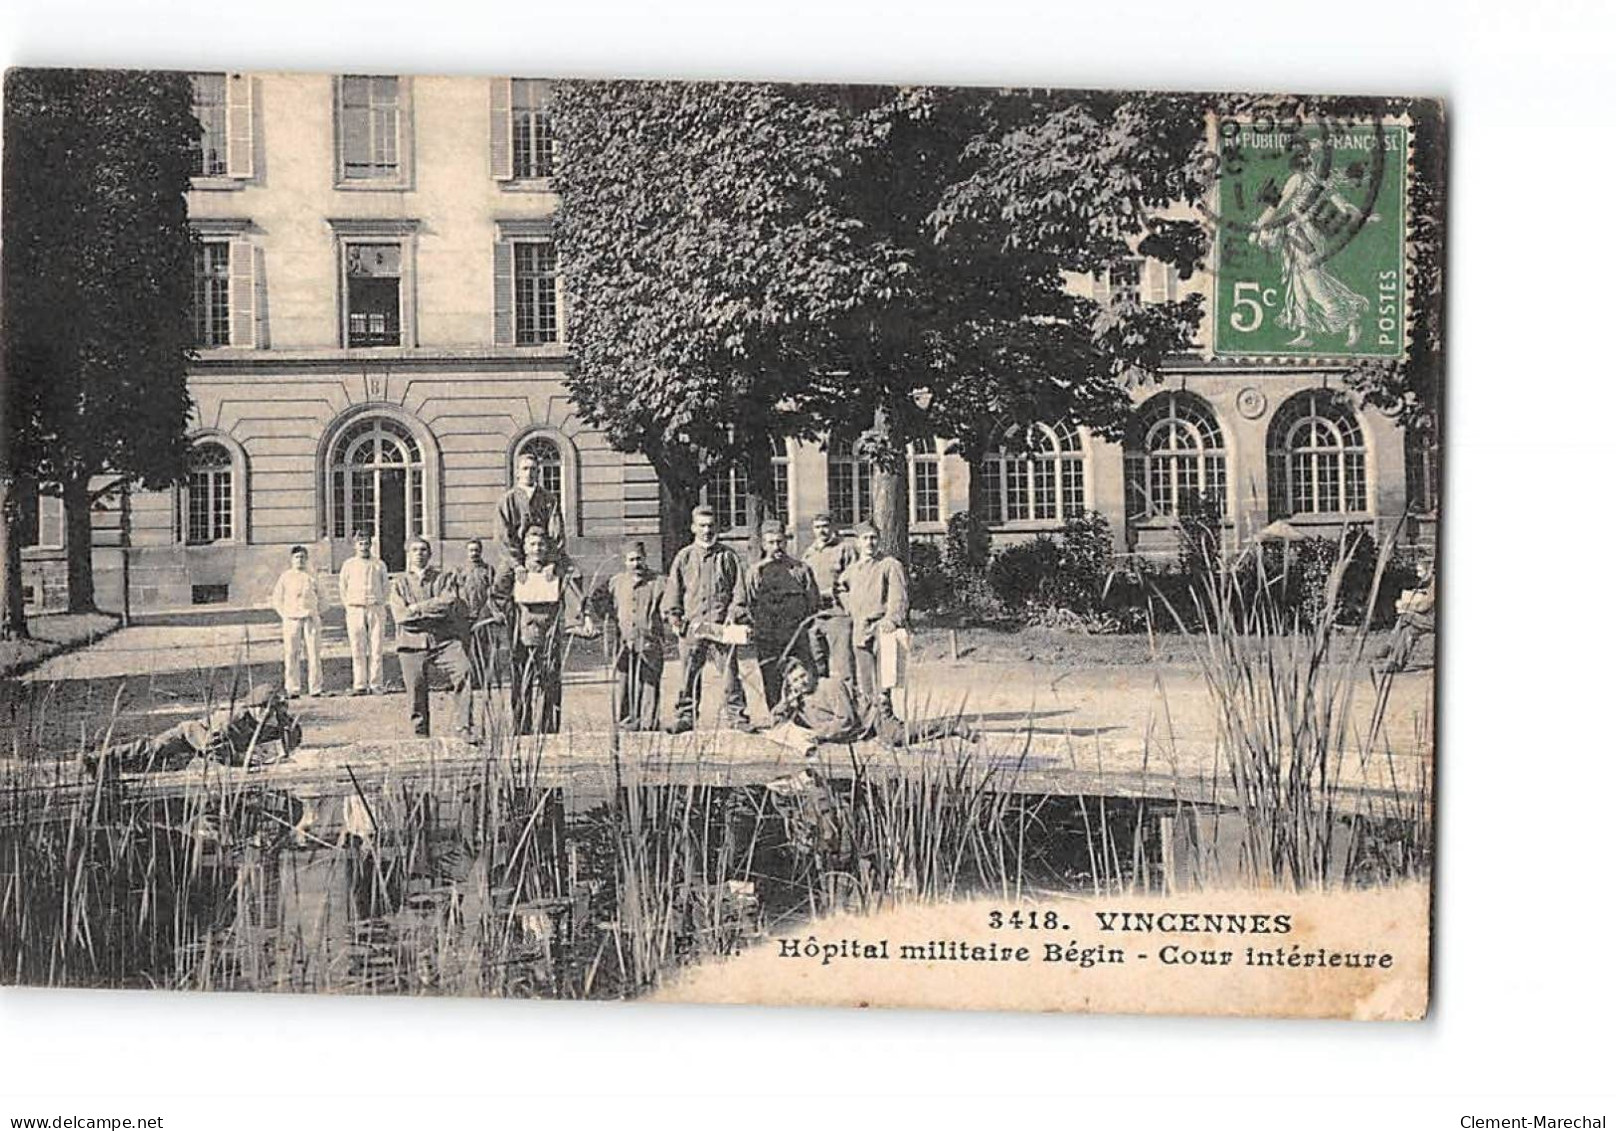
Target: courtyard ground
1094	706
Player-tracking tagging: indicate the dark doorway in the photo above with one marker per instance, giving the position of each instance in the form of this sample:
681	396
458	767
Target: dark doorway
390	521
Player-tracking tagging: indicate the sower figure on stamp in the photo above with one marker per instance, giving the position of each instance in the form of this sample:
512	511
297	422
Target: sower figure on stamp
541	601
875	593
782	595
830	638
431	628
528	506
706	590
363	585
476	579
636	598
297	600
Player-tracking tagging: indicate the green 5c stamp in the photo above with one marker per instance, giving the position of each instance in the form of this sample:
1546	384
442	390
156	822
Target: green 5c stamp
1309	225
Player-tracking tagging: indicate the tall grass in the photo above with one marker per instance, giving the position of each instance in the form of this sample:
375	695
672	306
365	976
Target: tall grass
1287	698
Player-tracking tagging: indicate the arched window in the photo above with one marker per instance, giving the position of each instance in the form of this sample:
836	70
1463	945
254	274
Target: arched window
548	454
1316	458
377	484
726	490
848	485
208	510
1038	483
1175	459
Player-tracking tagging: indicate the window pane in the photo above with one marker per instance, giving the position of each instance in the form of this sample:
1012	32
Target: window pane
1016	504
993	475
1043	488
536	317
840	485
370	127
208	153
1072	501
211	294
925	493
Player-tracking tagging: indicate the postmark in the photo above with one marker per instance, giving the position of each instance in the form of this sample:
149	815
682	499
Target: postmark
1308	219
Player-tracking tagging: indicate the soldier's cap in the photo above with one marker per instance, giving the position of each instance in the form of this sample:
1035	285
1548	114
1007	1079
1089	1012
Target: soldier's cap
866	528
633	547
772	526
824	517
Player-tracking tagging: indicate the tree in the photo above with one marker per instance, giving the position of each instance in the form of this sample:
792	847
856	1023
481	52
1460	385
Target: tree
881	265
98	279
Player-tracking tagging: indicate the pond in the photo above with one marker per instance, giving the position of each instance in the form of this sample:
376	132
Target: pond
494	883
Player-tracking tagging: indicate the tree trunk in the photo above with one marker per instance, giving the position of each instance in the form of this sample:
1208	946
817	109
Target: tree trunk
889	487
80	565
759	493
678	500
13	617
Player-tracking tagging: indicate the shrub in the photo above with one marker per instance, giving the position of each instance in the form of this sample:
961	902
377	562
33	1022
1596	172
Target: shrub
928	585
967	545
1072	572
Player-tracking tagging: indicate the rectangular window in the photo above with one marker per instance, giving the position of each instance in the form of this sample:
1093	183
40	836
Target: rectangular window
207	506
1122	279
537	309
1017	506
848	483
370	128
532	139
374	276
1071	486
42	521
925	491
211	302
210	155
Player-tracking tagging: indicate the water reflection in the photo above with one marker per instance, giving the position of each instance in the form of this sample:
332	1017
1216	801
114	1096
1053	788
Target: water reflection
494	885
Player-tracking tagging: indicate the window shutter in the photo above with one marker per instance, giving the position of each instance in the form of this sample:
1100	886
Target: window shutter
504	293
499	128
561	308
51	522
239	127
243	296
1155	281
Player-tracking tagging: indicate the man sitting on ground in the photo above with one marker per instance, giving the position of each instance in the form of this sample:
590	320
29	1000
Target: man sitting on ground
814	711
253	732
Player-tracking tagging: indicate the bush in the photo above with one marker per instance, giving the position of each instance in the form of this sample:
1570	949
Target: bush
928	585
1072	573
967	545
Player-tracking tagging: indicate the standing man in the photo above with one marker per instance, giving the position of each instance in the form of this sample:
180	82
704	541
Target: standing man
706	588
476	585
430	619
297	600
528	506
636	595
363	585
875	593
830	639
541	601
782	594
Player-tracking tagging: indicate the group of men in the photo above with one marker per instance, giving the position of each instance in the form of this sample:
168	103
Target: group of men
819	619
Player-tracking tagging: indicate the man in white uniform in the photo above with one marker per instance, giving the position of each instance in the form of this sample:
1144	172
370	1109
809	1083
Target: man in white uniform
363	584
297	600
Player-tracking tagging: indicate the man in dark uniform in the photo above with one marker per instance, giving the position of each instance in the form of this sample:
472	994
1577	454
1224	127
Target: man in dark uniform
636	598
528	506
782	595
476	579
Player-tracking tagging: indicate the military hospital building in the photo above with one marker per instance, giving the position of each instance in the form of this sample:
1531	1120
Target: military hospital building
381	329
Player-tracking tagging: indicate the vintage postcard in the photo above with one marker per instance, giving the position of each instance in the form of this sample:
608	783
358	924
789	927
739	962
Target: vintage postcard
720	542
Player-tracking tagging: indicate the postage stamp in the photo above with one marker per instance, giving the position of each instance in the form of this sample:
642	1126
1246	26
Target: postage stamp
1310	248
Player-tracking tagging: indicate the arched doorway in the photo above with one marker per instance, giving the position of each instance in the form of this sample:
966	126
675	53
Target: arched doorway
377	484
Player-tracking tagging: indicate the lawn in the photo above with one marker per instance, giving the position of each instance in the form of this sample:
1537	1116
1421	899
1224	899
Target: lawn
52	633
1068	648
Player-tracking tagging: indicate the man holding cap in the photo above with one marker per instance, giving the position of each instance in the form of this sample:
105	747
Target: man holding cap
782	595
875	593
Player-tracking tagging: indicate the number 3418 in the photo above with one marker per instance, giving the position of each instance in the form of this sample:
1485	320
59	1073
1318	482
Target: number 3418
1024	920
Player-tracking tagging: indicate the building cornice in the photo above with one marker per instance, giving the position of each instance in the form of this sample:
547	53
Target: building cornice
227	363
